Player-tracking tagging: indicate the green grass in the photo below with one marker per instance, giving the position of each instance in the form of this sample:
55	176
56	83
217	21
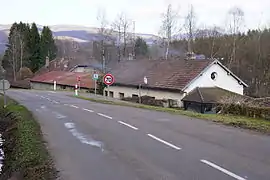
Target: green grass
25	147
259	125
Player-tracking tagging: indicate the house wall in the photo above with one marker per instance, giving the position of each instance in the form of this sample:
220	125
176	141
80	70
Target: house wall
128	92
83	69
223	80
45	86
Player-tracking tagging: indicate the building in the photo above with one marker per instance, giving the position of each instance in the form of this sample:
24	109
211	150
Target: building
172	79
206	99
87	68
64	81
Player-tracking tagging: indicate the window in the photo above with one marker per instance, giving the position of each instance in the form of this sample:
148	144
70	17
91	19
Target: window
106	93
134	96
213	75
111	94
121	95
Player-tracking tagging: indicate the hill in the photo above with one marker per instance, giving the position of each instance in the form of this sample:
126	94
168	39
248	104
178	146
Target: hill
80	34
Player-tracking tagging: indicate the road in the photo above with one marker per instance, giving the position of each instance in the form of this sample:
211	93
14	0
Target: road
97	141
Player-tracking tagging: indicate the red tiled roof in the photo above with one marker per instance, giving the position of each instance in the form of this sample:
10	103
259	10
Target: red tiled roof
66	78
168	74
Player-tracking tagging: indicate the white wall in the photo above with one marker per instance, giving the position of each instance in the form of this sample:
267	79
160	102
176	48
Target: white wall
83	69
223	80
144	92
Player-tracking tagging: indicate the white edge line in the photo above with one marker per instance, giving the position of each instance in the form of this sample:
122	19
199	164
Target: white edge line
128	125
88	110
165	142
104	115
222	170
74	106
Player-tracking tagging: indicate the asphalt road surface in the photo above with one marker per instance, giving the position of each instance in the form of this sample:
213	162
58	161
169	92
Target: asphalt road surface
92	141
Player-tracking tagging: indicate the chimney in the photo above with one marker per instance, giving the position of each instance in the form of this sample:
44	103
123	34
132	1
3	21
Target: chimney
47	62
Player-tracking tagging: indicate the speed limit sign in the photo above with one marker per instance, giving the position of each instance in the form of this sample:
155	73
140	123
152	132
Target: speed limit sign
108	79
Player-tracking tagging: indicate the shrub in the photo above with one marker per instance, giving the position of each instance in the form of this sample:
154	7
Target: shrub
244	110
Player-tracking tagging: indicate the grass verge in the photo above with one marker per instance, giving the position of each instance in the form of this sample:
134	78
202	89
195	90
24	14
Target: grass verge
259	125
24	147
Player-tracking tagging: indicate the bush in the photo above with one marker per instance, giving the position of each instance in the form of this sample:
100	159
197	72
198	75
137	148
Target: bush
249	111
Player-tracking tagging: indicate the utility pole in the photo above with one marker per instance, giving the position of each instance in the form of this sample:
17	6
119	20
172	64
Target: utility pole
134	40
103	59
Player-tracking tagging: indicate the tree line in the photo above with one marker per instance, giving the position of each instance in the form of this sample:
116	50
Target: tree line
26	47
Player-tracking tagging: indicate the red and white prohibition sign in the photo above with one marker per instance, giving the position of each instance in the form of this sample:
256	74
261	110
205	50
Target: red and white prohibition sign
108	79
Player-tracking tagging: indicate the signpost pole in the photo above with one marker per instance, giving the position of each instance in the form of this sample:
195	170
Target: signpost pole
108	91
140	98
95	87
108	79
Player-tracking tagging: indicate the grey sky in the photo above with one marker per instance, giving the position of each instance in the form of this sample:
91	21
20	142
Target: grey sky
146	13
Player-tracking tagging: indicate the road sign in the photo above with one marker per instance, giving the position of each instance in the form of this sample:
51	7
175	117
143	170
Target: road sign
4	84
108	79
95	77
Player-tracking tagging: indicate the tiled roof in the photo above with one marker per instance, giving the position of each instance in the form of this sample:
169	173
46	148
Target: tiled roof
166	74
65	78
207	95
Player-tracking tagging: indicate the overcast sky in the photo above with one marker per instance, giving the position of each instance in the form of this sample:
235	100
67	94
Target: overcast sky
146	13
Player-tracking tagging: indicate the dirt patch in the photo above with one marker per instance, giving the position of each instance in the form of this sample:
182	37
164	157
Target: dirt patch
26	156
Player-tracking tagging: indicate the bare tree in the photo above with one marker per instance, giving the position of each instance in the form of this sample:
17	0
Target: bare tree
105	34
236	20
125	25
190	25
213	34
121	25
168	27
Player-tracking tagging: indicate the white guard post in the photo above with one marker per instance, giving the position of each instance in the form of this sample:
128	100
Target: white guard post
76	90
54	85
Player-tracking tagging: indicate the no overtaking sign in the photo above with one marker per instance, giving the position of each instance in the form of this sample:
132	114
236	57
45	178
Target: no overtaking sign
108	79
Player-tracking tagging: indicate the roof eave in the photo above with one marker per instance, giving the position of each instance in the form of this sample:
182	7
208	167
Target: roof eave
207	67
231	73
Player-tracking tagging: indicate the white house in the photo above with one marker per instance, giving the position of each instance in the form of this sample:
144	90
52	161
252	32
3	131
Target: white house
171	79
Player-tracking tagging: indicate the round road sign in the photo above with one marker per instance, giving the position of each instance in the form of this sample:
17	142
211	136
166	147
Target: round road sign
108	79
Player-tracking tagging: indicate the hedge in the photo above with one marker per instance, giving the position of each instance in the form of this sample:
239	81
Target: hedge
243	110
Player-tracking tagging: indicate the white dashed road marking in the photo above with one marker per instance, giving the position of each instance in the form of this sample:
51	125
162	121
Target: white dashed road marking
88	110
104	115
164	142
222	170
74	106
128	125
56	102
